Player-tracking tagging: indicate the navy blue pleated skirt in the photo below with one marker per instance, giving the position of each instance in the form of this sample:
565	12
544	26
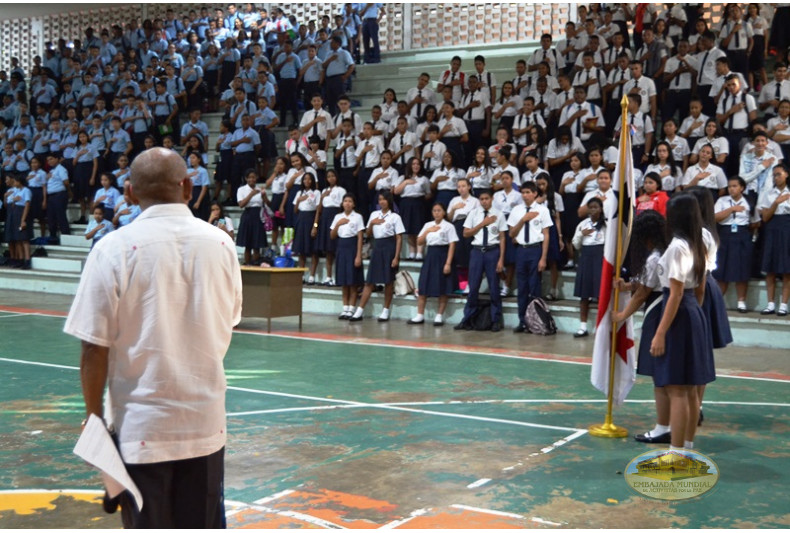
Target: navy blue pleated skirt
553	253
251	233
16	221
444	197
645	361
380	271
82	179
304	243
733	258
204	210
345	271
716	314
290	215
433	282
412	211
36	211
463	247
588	273
277	199
776	250
324	242
688	359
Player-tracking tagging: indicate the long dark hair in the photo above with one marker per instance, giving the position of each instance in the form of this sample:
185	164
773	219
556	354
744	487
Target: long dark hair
649	228
550	198
685	222
706	209
670	158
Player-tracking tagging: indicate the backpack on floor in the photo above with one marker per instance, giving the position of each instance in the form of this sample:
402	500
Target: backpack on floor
481	321
538	318
404	284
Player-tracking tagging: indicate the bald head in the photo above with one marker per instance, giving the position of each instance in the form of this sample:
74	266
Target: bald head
157	176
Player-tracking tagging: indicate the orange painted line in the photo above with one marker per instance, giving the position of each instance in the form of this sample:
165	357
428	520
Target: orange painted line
340	508
27	311
253	519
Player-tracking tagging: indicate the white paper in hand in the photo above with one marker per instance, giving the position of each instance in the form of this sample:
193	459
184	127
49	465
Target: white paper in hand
96	447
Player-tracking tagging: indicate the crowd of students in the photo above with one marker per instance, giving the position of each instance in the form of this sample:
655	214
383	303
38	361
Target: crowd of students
536	148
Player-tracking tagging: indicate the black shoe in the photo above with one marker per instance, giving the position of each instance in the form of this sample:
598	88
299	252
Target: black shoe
496	327
27	265
343	316
355	319
383	319
743	310
462	326
767	311
664	438
580	333
412	321
521	328
781	313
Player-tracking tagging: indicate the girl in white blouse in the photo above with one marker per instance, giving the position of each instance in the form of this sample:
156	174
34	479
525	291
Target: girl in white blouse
382	178
276	181
479	174
347	229
331	205
507	106
713	137
389	106
665	166
436	278
705	174
306	207
414	189
445	179
459	208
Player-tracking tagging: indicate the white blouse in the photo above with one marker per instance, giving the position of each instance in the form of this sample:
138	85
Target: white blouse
462	207
443	237
334	198
354	226
677	263
311	202
450	184
392	225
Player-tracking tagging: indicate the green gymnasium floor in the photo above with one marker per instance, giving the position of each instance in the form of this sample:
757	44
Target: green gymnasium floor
338	428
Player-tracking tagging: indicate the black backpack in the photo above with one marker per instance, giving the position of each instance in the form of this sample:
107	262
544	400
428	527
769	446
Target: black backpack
481	321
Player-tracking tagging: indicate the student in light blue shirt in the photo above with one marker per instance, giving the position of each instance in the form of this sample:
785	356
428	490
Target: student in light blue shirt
98	226
106	196
288	65
56	198
200	202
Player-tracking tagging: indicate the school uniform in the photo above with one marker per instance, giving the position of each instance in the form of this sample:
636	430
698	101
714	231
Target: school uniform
433	281
384	184
688	356
693	134
198	182
529	250
319	129
251	232
588	273
739	42
83	170
462	249
380	271
367	163
678	92
773	90
225	164
293	192
594	91
652	317
509	114
553	254
106	227
736	125
346	161
57	201
720	146
330	206
483	260
119	142
304	243
438	148
398	143
448	188
278	192
669	182
346	273
475	121
36	181
126	219
108	204
481	183
452	139
593	114
714	182
16	204
776	248
448	77
412	203
243	155
640	125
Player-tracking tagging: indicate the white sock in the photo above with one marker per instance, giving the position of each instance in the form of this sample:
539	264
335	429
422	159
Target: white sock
741	303
583	326
348	309
770	306
438	318
674	448
783	308
358	312
418	317
385	313
658	430
688	444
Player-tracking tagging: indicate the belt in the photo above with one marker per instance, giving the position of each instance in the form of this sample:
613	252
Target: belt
486	248
530	245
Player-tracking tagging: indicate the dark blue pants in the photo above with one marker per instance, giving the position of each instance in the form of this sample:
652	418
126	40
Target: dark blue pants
363	192
286	99
483	263
527	276
335	88
370	39
57	220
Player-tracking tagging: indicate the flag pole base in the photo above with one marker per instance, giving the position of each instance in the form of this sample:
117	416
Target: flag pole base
607	430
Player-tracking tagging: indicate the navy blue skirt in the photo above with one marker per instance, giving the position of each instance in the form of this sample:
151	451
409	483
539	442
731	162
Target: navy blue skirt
732	258
82	180
251	233
463	247
588	273
645	361
433	282
36	211
204	210
345	272
16	221
570	217
277	199
776	250
444	197
304	243
688	359
324	242
553	253
380	271
412	211
290	215
716	313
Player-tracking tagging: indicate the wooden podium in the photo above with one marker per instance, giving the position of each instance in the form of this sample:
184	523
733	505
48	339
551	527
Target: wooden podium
272	293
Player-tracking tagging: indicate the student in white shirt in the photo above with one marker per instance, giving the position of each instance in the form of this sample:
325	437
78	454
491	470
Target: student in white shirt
704	174
774	208
252	236
665	166
556	206
735	241
381	179
481	172
348	228
445	179
589	239
713	137
457	211
693	126
386	229
330	205
436	279
306	230
413	189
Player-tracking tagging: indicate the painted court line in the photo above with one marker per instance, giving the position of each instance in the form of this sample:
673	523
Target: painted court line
479	483
325	524
412	516
411	345
273	497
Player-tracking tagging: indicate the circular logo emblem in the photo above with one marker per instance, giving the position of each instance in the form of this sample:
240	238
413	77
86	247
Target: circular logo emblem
671	475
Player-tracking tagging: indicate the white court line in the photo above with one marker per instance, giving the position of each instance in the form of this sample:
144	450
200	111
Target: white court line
290	514
488	511
412	516
273	497
12	315
479	483
434	349
36	363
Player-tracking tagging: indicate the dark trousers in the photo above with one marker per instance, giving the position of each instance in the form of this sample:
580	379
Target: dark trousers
676	102
370	39
335	88
476	140
739	61
734	137
362	192
708	104
177	494
346	179
286	99
480	263
309	88
527	276
57	219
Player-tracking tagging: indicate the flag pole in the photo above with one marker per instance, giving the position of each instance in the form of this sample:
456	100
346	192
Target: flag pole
608	428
